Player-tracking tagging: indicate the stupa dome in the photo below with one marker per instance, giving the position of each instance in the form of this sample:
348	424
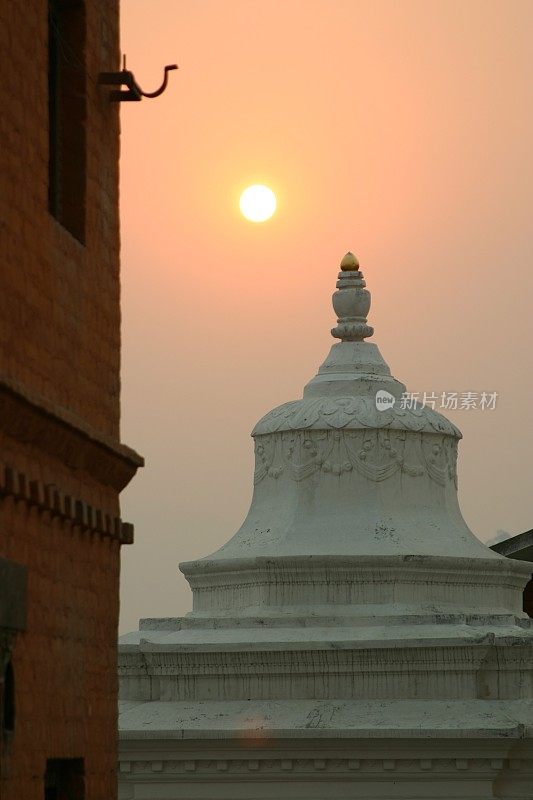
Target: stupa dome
350	477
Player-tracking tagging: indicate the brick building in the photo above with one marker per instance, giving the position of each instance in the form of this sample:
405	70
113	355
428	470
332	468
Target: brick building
62	466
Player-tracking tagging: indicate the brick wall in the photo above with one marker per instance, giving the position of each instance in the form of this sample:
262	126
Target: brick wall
61	464
65	664
60	331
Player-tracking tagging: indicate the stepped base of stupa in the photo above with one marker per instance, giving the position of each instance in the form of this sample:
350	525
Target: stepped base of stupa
307	767
308	749
351	718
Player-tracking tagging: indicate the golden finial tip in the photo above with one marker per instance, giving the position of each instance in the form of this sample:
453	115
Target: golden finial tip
350	263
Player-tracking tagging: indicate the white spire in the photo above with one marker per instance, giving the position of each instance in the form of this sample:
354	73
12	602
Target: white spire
351	302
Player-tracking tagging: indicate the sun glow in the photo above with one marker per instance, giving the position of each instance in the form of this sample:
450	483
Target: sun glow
257	203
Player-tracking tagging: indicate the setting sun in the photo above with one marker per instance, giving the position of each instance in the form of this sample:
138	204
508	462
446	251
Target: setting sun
257	203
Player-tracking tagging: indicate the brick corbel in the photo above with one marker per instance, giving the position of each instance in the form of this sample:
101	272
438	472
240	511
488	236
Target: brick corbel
48	498
33	420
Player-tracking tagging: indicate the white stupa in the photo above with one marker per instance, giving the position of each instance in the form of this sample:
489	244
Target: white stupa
354	639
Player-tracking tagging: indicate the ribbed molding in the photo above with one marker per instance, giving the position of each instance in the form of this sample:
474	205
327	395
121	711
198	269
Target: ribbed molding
322	583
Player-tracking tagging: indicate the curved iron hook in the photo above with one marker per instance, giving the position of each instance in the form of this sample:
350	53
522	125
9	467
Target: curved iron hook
163	86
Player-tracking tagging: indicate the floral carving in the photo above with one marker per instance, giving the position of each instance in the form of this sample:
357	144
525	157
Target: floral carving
351	412
375	453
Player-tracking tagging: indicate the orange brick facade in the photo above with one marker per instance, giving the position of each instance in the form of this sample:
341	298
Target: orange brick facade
60	330
61	464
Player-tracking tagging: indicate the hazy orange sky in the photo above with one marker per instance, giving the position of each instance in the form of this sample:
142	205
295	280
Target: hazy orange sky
400	130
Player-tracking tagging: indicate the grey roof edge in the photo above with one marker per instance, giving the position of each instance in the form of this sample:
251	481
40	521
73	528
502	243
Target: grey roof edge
514	731
519	547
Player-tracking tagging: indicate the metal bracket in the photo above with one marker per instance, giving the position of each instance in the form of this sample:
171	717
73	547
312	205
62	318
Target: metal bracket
133	91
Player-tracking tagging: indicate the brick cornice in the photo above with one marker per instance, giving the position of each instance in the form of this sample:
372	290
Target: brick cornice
32	419
49	499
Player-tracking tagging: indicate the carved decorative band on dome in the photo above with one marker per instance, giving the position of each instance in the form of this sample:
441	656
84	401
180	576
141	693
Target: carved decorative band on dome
323	413
376	454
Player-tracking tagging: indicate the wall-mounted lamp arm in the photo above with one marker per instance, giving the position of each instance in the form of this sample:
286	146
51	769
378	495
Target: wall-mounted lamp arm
163	86
126	78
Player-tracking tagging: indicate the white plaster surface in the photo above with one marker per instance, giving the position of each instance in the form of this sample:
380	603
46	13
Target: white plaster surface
354	638
331	718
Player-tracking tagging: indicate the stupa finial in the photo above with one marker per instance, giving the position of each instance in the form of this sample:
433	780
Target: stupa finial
351	302
349	263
